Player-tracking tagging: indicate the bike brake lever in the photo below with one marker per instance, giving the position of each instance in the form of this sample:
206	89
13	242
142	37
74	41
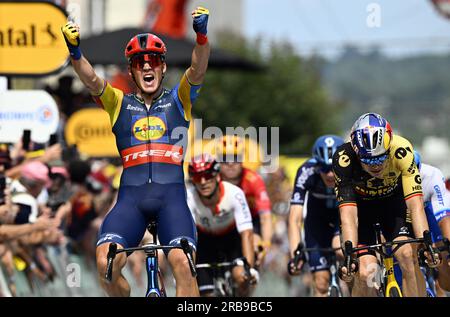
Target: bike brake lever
428	241
298	254
348	248
110	261
188	252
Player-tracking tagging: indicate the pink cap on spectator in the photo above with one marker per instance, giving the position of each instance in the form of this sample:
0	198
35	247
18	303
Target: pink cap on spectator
60	170
36	170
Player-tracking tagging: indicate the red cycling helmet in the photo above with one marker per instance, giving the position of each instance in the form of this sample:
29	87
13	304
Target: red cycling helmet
203	165
145	43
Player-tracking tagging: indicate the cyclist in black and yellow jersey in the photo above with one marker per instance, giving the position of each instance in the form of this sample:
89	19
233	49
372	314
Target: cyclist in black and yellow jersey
377	180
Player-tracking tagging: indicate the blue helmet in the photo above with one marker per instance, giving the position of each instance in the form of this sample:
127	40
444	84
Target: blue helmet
417	159
371	138
324	148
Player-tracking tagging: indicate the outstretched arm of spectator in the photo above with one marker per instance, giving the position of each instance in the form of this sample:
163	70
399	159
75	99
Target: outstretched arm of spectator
9	232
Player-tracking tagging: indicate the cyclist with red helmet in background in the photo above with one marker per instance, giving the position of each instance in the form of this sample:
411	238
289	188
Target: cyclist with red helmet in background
377	181
152	182
224	223
230	152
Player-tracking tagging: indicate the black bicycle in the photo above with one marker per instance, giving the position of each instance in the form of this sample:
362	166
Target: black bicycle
155	284
300	253
224	285
389	286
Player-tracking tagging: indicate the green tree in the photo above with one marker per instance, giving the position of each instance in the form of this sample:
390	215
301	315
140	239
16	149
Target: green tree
287	94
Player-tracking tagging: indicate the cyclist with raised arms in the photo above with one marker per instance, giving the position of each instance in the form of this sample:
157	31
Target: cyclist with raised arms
377	181
230	152
224	223
314	187
437	208
152	183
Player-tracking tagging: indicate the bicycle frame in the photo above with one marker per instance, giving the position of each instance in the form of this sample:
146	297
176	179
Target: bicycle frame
386	251
154	278
223	284
154	289
222	275
333	281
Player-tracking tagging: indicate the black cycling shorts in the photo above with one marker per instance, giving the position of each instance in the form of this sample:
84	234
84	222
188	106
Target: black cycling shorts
214	249
390	212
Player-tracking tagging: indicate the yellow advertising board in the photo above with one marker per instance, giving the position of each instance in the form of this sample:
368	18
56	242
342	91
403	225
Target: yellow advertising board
31	42
290	164
90	130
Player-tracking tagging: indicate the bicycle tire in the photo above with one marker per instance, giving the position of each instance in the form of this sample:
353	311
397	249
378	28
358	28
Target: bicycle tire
393	292
333	292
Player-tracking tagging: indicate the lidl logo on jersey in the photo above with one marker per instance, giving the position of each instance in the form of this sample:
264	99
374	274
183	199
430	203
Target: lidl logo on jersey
150	128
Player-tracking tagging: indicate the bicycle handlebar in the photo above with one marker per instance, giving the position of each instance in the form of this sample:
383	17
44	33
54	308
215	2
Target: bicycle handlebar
113	251
299	254
188	252
380	247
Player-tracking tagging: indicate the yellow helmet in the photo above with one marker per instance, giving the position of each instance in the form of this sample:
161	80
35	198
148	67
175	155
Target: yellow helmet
230	145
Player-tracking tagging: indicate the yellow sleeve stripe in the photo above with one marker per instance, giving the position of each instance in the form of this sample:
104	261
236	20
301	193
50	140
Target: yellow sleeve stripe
184	94
413	195
345	204
110	100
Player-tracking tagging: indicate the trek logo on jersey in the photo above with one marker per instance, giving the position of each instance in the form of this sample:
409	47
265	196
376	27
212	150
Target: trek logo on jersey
152	153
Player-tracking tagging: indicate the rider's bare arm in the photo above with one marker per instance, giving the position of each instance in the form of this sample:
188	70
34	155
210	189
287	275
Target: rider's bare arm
349	223
266	227
199	64
247	246
200	56
419	219
87	75
295	226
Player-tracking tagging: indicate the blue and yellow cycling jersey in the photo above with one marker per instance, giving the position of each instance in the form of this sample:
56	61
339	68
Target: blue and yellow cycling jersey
151	141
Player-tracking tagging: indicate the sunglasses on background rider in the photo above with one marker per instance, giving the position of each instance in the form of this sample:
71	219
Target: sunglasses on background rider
140	60
325	168
373	161
207	175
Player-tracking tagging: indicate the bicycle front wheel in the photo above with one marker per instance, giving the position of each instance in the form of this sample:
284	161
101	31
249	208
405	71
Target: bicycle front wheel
393	292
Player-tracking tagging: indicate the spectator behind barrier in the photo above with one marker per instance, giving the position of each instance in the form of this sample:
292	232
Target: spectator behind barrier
33	180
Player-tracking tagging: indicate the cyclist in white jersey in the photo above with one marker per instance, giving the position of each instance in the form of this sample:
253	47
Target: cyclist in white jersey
437	208
224	223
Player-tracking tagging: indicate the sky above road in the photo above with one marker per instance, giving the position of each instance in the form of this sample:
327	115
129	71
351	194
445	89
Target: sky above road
401	27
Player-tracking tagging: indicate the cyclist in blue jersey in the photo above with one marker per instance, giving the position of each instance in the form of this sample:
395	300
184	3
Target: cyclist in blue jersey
314	191
437	208
150	127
